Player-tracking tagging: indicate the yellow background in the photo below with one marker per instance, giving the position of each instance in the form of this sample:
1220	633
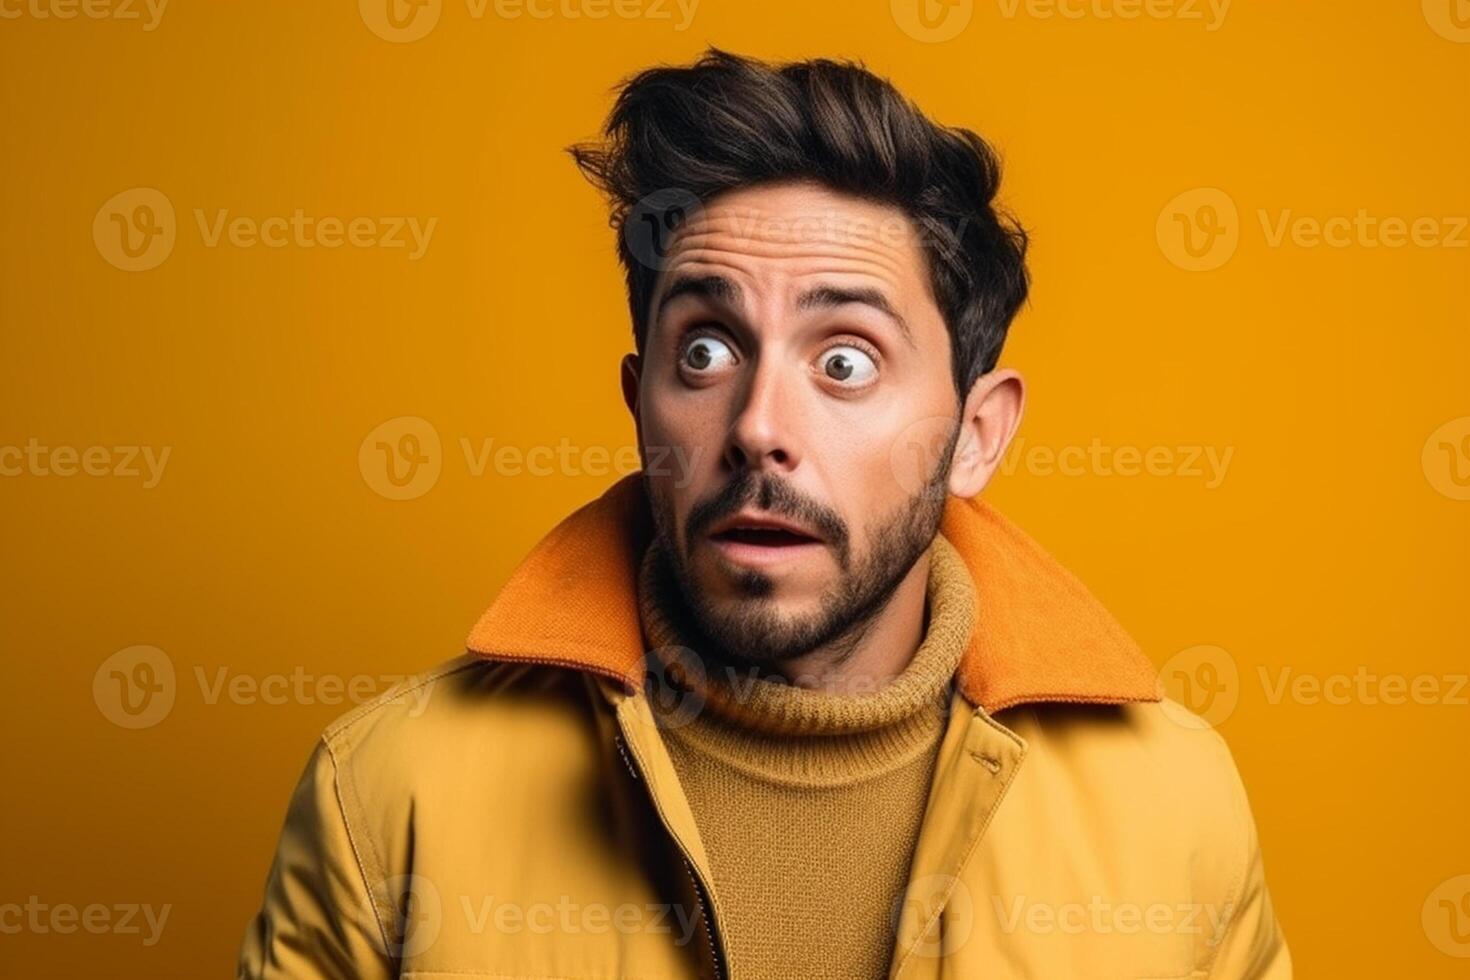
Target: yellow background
1338	538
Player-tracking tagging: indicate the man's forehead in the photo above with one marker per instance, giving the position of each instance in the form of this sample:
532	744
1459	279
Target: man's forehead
790	232
795	218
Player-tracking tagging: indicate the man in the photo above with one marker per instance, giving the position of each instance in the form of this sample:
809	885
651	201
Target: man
791	702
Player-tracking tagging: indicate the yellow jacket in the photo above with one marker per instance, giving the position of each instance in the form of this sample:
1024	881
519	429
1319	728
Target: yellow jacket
513	813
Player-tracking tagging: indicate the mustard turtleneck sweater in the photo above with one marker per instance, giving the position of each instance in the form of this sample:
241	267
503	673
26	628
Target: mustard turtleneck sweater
808	803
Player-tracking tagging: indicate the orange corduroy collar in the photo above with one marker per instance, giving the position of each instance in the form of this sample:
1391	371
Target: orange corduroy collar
1039	635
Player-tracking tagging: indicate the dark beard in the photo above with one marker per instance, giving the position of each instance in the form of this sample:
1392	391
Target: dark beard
755	634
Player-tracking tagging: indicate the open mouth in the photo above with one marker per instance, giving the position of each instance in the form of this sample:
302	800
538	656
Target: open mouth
756	540
766	537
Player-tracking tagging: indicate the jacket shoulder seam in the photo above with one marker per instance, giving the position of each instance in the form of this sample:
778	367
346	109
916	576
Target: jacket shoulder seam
1240	818
336	732
341	790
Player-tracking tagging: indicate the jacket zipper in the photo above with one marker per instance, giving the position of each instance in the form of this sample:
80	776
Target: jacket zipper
704	913
700	890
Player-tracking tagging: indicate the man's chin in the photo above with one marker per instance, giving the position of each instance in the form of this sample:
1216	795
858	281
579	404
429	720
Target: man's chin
764	630
731	607
784	593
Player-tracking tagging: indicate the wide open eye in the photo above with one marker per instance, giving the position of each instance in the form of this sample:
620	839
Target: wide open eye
706	355
847	365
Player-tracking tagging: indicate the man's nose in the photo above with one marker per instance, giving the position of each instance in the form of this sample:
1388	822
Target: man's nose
761	434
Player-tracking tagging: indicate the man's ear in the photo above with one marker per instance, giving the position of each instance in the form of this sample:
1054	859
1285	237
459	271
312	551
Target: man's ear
630	368
991	415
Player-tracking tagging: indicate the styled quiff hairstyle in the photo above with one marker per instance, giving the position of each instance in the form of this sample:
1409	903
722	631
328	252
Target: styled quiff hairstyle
725	122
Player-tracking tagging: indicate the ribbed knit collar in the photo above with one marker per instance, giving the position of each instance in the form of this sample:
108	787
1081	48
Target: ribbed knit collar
782	730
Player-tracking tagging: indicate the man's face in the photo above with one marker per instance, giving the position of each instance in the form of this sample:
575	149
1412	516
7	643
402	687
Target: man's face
798	368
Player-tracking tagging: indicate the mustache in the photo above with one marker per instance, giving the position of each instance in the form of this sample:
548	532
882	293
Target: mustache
773	495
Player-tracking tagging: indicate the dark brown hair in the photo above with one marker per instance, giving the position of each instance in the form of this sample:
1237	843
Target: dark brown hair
678	136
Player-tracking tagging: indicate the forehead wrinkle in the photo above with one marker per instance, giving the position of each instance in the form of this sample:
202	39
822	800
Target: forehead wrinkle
781	235
767	223
796	284
877	261
876	251
853	234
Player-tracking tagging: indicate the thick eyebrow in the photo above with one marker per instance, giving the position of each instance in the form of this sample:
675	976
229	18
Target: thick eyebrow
829	296
716	288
